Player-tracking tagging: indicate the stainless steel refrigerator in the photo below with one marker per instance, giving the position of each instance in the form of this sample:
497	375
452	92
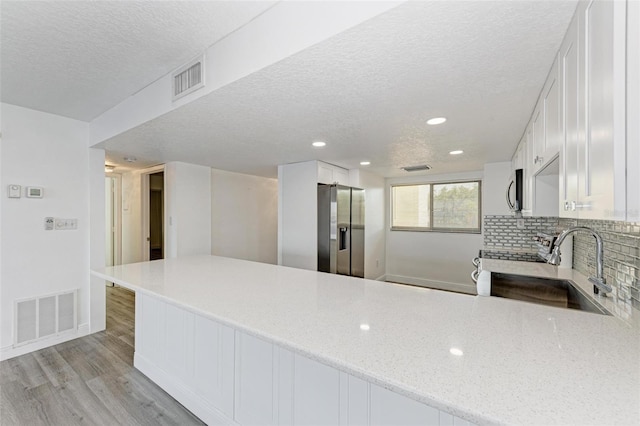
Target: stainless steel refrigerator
341	230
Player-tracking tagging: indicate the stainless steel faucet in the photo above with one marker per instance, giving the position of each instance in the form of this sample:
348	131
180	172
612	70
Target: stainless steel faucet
599	283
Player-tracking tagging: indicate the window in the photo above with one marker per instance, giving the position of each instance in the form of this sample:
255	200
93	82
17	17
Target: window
448	207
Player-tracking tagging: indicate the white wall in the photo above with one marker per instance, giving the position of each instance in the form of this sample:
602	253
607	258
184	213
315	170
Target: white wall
297	208
187	209
494	188
374	221
50	151
244	216
132	216
433	259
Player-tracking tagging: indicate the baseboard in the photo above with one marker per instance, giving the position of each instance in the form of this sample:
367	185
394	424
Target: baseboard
185	396
439	285
382	277
9	352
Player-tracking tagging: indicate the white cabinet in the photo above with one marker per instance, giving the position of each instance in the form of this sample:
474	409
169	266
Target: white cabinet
633	111
594	186
390	409
568	164
255	381
330	174
226	376
546	123
537	140
189	356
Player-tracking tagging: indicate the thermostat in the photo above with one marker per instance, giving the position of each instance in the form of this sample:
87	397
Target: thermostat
34	192
14	191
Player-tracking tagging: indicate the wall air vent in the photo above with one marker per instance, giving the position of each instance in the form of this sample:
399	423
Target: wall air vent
188	78
44	316
419	168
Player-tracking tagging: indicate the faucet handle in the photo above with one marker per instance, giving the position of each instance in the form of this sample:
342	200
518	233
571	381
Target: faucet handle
600	284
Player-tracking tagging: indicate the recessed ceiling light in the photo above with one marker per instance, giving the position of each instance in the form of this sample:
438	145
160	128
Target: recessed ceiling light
437	120
319	144
456	352
365	327
365	163
456	152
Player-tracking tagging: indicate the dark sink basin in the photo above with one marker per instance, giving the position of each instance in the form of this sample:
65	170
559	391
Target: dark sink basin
544	291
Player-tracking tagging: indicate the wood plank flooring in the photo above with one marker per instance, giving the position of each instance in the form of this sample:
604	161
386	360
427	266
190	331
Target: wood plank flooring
88	381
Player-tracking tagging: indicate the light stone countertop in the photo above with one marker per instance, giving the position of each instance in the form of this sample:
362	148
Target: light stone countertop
522	363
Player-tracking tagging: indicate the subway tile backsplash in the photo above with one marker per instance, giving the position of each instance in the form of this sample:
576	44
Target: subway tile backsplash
621	246
502	232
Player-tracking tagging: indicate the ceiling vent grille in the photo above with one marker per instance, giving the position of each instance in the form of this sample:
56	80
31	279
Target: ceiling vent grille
419	168
188	78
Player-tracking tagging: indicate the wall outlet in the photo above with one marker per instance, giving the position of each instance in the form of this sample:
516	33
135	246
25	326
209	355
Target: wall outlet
520	223
48	223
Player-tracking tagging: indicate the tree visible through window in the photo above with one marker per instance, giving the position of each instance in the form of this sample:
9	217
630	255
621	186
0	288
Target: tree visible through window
451	206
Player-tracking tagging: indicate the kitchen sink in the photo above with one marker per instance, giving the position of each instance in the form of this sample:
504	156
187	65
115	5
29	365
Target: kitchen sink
545	291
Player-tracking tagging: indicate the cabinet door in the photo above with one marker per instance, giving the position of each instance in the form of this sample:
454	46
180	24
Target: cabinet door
602	171
254	381
325	173
633	111
569	151
552	117
390	408
341	176
317	393
537	125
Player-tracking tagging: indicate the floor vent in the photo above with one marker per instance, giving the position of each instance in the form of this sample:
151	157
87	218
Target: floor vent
45	316
188	78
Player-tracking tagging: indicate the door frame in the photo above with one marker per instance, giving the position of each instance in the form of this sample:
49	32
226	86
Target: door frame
145	187
116	207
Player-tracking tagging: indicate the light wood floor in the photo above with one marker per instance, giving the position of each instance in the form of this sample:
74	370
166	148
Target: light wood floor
89	381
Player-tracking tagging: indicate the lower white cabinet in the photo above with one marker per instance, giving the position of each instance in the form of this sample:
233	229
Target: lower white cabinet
226	376
188	355
389	409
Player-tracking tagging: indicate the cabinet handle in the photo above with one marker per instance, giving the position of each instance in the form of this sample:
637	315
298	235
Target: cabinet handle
537	160
566	206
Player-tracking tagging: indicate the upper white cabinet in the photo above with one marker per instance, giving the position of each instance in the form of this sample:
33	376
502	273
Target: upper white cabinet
568	165
330	174
633	111
547	133
594	186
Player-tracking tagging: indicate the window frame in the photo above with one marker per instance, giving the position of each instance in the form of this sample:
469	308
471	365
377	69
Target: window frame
431	228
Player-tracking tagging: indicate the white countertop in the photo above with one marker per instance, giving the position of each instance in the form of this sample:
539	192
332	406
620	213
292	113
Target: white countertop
522	363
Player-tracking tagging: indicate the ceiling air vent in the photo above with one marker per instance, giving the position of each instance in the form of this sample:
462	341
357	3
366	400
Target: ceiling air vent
419	168
188	78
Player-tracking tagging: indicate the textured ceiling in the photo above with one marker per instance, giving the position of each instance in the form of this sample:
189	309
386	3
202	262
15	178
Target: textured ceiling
80	58
368	91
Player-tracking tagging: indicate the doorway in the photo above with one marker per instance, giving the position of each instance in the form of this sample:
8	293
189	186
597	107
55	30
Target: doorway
156	216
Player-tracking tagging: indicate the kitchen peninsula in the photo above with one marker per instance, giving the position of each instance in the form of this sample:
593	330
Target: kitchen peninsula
253	343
